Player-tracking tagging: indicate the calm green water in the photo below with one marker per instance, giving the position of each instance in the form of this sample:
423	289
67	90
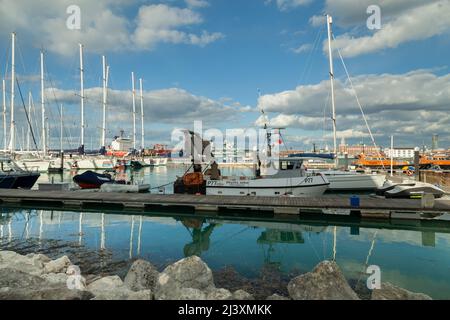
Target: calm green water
411	255
416	260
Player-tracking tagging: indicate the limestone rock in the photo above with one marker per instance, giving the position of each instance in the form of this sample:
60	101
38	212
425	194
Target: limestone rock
59	265
106	284
242	295
141	276
55	278
9	259
219	294
190	273
45	293
391	292
325	282
277	297
124	294
14	278
113	288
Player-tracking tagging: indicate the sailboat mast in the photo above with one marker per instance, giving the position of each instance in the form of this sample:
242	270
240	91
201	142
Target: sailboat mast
134	110
4	114
142	115
103	142
333	106
82	95
29	125
61	129
44	134
12	142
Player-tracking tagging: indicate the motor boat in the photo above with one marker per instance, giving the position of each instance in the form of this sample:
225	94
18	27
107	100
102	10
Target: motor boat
92	180
410	189
353	181
13	177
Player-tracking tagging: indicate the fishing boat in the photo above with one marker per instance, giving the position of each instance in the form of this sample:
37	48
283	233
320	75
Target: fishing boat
92	180
13	177
290	179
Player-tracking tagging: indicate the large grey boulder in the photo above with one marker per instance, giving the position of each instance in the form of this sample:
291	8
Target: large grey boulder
113	288
10	259
242	295
188	273
45	293
18	285
219	294
59	265
325	282
188	294
14	278
390	292
277	297
141	276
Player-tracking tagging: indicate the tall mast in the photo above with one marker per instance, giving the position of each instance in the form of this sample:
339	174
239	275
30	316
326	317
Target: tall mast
44	134
82	95
29	117
103	142
333	106
12	142
142	115
4	114
61	129
134	110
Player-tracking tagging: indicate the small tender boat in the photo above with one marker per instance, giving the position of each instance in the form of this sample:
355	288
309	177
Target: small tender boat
13	177
124	188
410	189
92	180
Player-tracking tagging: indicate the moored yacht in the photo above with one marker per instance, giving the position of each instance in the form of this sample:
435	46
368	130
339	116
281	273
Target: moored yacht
13	177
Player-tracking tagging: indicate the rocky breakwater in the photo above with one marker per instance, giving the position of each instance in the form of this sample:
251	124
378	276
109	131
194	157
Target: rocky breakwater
36	277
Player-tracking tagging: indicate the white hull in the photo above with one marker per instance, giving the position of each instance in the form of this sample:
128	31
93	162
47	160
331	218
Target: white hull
347	181
155	162
31	165
90	164
313	186
124	188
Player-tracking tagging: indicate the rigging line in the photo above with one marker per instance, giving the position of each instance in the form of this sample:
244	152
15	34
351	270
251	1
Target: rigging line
68	137
26	113
308	65
360	106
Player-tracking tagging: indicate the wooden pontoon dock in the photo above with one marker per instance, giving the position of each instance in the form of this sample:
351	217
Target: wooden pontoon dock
368	206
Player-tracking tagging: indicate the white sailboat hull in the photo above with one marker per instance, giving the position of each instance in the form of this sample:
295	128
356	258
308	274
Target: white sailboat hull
312	186
39	165
91	164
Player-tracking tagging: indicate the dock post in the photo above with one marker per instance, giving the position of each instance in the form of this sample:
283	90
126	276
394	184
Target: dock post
417	164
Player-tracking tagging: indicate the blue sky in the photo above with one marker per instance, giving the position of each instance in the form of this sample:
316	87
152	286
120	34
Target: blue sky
205	60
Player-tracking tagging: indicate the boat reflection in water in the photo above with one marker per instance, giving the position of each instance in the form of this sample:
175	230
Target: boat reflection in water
414	255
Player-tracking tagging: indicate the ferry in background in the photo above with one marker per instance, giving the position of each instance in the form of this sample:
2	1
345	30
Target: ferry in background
378	162
438	160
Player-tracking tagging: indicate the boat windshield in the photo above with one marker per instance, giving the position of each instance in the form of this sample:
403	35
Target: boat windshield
7	165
